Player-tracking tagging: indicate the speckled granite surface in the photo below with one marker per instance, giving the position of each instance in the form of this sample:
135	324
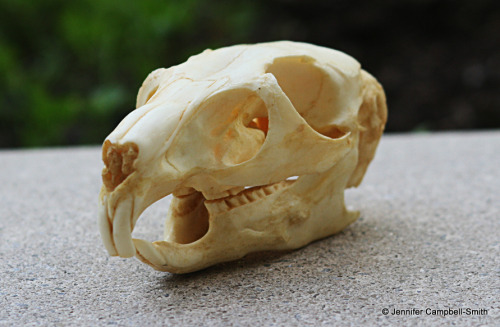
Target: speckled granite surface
428	239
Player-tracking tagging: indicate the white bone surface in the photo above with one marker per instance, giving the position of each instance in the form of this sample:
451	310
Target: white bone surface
223	132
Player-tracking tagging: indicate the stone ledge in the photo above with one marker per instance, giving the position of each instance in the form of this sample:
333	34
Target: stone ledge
428	237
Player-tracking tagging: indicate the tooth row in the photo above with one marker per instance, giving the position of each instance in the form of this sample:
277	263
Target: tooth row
246	196
224	194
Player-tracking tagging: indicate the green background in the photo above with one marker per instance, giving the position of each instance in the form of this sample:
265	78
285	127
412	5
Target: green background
70	70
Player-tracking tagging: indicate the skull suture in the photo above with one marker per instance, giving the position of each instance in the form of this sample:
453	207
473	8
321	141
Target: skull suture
224	132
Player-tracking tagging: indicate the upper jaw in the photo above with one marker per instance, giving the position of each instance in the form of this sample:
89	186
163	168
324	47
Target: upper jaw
222	194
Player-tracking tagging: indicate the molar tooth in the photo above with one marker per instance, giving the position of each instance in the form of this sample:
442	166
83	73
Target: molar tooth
216	206
223	206
235	190
249	196
242	199
260	193
267	190
231	203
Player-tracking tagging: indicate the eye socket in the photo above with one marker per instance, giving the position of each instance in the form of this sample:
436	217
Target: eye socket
249	131
314	94
237	124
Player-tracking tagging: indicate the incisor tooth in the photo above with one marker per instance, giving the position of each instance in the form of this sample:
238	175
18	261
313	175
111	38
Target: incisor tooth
105	228
223	206
122	227
230	203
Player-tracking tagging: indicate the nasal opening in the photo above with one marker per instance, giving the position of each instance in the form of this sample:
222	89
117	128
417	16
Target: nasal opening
119	160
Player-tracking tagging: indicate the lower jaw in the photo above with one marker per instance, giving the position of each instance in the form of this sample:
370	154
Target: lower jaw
188	218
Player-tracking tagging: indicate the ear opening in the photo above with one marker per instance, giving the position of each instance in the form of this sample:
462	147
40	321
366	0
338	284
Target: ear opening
312	92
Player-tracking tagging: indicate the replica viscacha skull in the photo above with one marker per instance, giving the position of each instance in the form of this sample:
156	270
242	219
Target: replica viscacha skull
257	144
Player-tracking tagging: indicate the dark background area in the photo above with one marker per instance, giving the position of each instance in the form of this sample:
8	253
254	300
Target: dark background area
70	70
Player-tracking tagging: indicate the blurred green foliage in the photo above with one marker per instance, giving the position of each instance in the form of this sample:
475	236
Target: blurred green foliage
70	70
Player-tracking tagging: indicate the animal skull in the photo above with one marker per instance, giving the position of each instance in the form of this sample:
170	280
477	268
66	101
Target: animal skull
224	132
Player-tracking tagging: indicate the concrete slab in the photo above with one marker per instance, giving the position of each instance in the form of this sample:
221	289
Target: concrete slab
428	239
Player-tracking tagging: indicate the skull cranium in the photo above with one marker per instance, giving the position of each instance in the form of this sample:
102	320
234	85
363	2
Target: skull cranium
224	133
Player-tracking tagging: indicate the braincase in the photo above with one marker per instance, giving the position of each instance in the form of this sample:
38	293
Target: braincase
324	96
